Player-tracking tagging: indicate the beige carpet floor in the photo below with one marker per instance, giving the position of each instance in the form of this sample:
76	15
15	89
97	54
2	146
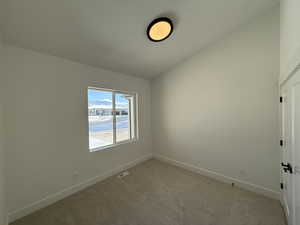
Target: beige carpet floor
156	193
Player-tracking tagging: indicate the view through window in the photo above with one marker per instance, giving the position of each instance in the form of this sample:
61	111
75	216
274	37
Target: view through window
111	117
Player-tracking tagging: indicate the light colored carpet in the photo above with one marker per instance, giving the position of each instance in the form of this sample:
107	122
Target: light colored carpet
156	193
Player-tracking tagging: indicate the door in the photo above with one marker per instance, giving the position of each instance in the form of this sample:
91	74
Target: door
295	91
290	166
286	178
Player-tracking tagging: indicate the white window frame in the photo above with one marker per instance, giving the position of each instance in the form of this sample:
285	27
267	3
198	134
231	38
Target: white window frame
133	117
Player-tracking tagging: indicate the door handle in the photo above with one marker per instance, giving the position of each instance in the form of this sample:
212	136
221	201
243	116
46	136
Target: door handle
287	168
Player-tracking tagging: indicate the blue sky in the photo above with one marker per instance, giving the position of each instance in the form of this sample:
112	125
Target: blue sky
102	97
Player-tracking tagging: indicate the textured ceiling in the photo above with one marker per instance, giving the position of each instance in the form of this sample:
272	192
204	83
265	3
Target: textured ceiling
112	33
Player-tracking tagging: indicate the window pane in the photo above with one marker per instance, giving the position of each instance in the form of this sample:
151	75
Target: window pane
100	118
123	112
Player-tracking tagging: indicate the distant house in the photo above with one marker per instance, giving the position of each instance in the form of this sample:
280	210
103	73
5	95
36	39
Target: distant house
104	110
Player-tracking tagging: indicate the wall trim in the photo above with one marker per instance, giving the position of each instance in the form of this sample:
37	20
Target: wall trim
13	216
292	67
220	177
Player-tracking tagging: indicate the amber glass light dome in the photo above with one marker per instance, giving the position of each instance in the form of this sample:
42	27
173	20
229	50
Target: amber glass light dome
160	29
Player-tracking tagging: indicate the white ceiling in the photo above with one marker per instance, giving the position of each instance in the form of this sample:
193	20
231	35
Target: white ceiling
112	33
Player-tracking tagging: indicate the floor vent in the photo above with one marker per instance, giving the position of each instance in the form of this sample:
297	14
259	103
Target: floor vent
123	174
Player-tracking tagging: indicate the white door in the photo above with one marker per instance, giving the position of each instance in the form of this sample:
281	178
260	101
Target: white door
291	148
287	198
295	82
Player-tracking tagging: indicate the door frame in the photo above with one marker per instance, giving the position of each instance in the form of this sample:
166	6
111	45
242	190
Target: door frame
287	91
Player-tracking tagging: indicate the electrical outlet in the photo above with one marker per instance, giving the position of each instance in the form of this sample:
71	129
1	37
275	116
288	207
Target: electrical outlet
243	173
75	176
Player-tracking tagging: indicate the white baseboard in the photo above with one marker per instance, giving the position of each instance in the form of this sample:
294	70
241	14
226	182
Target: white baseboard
12	216
220	177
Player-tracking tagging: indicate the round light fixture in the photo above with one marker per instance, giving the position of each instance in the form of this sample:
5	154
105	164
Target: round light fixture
160	29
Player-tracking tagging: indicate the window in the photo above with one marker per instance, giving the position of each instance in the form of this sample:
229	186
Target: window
112	118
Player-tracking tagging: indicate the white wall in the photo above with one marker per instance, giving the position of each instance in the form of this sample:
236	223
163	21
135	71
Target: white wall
2	174
289	36
219	109
48	127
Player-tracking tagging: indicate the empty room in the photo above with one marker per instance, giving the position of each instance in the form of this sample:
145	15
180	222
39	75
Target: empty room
147	112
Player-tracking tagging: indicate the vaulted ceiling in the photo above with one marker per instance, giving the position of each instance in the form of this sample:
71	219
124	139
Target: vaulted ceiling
112	33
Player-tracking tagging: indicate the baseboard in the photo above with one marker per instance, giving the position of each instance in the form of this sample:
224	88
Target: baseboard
12	216
220	177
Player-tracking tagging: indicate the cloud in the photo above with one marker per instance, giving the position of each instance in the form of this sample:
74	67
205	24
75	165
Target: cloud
121	103
107	100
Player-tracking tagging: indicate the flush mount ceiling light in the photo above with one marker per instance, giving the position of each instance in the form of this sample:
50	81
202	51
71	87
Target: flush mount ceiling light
160	29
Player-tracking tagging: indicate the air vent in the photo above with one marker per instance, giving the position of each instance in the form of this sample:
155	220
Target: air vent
123	174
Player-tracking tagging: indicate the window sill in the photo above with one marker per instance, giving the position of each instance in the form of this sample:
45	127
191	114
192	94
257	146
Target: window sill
113	145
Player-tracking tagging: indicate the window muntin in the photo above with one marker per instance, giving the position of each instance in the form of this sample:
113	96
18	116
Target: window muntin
111	118
123	126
